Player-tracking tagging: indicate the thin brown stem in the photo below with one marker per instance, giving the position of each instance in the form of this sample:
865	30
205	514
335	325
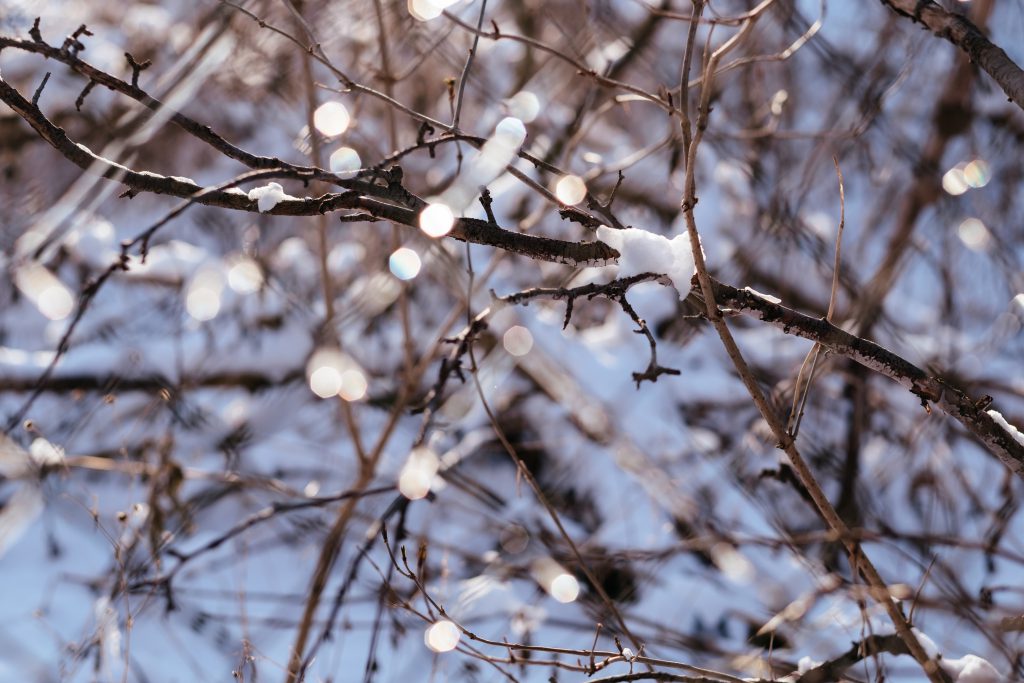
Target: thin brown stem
858	559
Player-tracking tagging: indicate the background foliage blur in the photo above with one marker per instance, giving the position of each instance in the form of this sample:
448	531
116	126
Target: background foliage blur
182	435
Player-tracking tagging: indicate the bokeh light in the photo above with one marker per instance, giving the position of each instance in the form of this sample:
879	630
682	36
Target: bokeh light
524	105
203	300
56	303
571	190
954	182
964	176
331	118
565	588
325	381
514	538
353	384
553	578
977	173
425	10
510	132
245	276
442	636
404	263
345	162
517	340
417	475
53	299
973	233
203	303
332	372
437	220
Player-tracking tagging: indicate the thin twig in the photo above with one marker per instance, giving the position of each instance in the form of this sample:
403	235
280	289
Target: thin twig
524	472
858	559
802	388
469	64
39	90
839	243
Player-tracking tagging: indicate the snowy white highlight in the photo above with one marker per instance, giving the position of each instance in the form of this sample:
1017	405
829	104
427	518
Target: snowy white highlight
332	372
517	340
437	220
524	105
762	295
45	290
442	636
268	196
1017	435
418	474
966	669
345	162
425	10
404	263
245	276
645	252
331	118
203	300
571	189
45	453
553	578
972	669
487	164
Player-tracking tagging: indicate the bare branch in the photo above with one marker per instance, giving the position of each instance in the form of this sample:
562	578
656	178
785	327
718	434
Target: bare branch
959	30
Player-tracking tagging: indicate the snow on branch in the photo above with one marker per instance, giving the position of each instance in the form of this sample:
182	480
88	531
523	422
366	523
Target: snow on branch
379	200
930	389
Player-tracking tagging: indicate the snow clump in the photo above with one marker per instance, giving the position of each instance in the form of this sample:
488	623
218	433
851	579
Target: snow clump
268	196
1017	435
971	669
641	251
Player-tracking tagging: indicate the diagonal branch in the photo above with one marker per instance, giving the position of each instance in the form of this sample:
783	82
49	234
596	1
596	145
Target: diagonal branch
965	35
132	90
381	201
930	389
859	561
834	669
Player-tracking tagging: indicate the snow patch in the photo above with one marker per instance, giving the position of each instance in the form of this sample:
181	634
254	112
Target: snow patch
641	251
762	295
806	664
1017	435
45	453
971	669
967	669
268	196
930	648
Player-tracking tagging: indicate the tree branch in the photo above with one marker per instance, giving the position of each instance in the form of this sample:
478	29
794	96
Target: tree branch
833	669
380	201
965	35
969	412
